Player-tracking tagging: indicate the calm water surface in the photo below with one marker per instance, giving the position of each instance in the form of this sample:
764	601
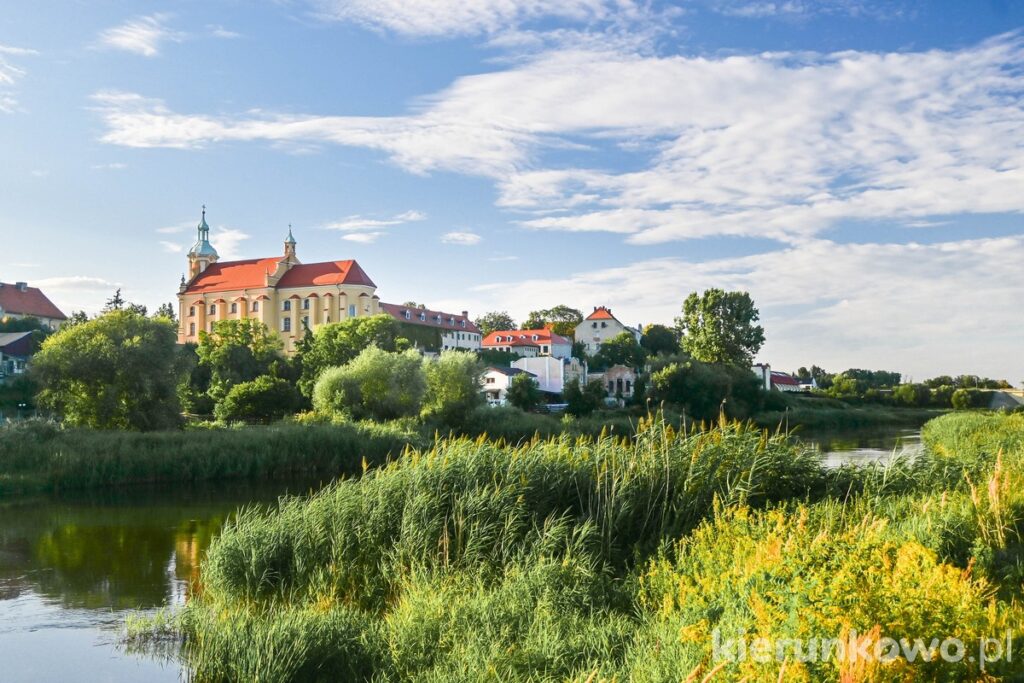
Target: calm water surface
71	569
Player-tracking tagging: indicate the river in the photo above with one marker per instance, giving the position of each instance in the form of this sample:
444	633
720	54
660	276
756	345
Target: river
71	569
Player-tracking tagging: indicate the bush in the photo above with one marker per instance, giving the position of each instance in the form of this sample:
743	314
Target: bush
523	392
377	385
264	399
453	387
584	401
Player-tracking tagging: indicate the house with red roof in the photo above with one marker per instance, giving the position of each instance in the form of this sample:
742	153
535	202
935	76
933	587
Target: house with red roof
529	343
773	379
436	331
283	293
18	301
601	326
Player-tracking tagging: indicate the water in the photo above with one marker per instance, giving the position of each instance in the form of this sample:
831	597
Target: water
72	569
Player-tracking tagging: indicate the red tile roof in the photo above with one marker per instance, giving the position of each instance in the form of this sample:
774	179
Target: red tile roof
783	378
447	321
524	338
601	313
28	301
252	274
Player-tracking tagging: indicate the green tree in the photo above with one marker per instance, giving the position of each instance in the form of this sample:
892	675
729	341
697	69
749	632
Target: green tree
118	371
76	318
622	349
166	310
523	392
659	339
584	400
719	327
377	385
495	320
453	387
339	343
916	395
237	351
264	399
562	319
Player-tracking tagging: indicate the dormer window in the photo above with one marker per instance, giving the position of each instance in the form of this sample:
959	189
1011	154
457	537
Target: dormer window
463	323
423	317
408	315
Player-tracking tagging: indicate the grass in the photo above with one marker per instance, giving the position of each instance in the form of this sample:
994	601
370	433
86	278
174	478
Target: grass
579	559
831	414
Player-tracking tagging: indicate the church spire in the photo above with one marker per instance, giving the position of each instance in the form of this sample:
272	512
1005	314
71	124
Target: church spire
202	253
289	244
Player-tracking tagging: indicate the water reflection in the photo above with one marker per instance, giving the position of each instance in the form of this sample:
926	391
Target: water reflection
863	445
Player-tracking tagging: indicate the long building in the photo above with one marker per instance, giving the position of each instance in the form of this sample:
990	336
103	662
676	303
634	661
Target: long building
283	293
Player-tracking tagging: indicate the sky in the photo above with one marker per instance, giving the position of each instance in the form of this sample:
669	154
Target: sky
856	165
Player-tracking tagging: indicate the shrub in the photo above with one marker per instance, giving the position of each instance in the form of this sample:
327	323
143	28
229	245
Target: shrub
262	400
523	392
453	387
584	401
376	385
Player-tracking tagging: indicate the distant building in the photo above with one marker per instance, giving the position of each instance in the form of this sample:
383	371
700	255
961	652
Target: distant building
618	380
601	326
284	294
553	374
19	301
529	343
15	350
436	330
495	381
772	379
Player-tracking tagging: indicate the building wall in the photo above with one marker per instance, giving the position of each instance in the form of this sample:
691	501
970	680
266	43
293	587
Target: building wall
593	333
330	304
495	385
52	323
549	372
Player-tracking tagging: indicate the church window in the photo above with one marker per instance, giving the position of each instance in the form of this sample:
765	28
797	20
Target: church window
352	310
234	307
287	306
255	306
305	304
213	309
192	311
286	325
192	329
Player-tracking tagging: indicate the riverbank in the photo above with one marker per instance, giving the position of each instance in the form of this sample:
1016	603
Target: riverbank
823	413
603	560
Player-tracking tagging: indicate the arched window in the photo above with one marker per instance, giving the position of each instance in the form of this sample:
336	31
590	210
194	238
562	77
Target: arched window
255	306
213	309
287	305
286	324
191	311
191	329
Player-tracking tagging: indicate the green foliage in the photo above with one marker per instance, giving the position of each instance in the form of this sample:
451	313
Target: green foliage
718	327
584	400
377	385
964	399
659	339
118	371
336	344
916	395
264	399
499	359
562	319
237	351
523	392
494	321
622	349
453	387
167	310
703	390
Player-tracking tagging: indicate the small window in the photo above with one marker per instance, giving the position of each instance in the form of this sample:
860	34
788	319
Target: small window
191	329
287	306
234	307
462	323
594	325
255	306
286	325
423	316
191	311
352	311
213	309
408	315
305	304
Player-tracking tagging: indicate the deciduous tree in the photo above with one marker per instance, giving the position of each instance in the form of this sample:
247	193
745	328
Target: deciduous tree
719	327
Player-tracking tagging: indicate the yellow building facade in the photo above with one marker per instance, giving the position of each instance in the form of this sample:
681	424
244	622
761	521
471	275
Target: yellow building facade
286	295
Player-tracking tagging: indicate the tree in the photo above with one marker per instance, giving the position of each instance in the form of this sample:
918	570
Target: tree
114	303
562	319
236	351
912	394
118	371
264	399
523	392
704	389
336	344
377	385
76	318
622	349
718	327
493	321
583	401
453	387
166	311
659	339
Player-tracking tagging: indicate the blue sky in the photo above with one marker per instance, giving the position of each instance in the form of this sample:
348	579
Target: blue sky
858	166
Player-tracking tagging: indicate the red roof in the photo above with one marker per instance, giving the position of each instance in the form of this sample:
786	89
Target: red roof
252	274
524	338
601	313
24	300
448	321
783	378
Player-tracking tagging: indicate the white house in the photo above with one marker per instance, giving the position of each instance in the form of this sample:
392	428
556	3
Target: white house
495	381
552	374
456	331
601	326
529	343
18	301
772	379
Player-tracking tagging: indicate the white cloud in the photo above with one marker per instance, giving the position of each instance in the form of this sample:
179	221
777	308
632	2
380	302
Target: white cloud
354	223
172	247
142	35
220	32
176	228
773	145
74	282
460	17
466	239
10	74
760	9
919	309
499	259
227	242
39	173
114	166
363	237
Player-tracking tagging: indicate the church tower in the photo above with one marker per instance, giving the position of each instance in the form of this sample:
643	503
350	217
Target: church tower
202	254
289	247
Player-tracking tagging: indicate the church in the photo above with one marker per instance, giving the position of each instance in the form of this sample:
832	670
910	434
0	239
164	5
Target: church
283	293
